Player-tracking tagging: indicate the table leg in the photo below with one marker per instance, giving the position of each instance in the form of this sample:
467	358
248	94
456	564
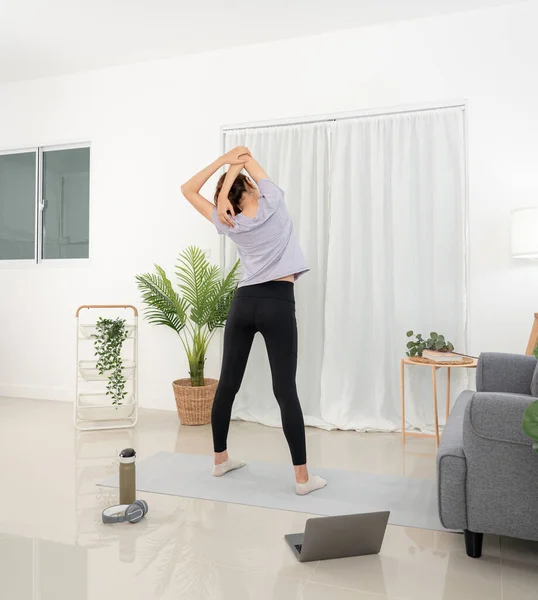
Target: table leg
435	415
447	393
402	389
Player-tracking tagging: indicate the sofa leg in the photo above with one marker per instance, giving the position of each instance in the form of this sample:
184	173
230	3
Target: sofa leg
473	543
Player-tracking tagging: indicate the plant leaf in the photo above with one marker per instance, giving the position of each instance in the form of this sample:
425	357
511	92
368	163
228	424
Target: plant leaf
410	344
433	335
202	285
409	333
221	302
192	272
530	421
165	306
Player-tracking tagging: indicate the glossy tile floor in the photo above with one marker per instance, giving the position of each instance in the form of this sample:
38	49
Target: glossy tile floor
54	547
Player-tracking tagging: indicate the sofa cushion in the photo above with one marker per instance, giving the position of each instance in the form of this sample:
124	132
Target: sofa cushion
510	373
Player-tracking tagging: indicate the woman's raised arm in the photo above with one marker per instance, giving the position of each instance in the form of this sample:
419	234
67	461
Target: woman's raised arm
191	188
224	206
254	169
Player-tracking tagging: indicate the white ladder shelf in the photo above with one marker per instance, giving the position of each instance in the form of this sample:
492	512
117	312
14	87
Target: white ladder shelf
93	409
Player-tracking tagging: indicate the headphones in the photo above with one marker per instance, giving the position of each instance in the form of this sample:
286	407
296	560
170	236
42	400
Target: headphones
130	513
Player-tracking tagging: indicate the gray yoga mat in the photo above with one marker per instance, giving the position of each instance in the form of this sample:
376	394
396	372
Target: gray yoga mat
412	502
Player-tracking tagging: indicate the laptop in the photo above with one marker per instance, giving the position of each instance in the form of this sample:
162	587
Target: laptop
339	537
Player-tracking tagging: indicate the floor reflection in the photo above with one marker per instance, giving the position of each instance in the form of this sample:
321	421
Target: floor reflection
34	569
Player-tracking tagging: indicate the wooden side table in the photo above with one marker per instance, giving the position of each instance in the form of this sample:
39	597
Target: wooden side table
433	366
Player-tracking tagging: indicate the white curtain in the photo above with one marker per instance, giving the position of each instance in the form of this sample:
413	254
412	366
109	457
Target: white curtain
378	205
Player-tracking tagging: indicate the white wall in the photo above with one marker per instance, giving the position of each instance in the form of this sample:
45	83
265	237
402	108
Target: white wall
152	125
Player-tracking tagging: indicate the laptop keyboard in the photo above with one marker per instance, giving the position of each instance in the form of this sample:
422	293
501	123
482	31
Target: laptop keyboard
299	548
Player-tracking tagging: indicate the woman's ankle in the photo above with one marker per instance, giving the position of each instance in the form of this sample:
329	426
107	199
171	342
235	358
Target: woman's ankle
301	473
221	457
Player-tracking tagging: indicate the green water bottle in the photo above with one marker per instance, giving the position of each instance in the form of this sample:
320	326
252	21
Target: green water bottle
127	476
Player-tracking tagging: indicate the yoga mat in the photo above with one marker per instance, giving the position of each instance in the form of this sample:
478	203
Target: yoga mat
412	502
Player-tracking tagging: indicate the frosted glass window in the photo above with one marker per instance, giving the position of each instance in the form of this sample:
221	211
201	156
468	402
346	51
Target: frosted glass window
17	206
66	196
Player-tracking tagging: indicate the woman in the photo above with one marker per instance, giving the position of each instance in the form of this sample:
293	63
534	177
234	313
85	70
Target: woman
256	219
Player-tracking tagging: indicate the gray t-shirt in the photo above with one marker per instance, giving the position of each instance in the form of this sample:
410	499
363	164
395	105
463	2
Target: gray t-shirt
267	244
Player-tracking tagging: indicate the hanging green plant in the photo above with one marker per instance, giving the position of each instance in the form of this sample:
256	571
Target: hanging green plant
111	333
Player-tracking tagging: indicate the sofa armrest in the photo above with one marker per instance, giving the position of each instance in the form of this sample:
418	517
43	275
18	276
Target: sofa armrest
452	468
510	373
498	417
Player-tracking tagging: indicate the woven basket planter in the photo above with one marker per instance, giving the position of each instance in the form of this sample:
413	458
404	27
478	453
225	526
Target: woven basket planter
194	404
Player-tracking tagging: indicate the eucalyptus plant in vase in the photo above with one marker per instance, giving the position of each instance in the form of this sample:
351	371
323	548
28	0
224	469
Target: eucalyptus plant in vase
195	313
435	342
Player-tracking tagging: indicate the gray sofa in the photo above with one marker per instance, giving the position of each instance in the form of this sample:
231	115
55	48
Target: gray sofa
487	472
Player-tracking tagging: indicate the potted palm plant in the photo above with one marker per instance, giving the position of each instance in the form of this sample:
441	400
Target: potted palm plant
195	313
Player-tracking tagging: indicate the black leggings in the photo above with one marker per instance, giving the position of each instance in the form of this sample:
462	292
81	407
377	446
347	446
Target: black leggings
270	309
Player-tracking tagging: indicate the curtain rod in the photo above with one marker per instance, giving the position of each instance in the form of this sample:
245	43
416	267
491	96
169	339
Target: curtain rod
343	117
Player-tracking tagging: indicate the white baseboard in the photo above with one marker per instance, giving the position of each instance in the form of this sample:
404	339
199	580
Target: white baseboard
58	394
35	392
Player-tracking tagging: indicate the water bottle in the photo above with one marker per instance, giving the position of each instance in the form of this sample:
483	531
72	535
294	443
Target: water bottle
127	476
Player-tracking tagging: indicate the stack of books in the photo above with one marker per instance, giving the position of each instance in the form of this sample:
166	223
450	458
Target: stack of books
441	356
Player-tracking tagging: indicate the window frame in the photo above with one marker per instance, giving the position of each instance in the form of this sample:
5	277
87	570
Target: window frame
38	260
